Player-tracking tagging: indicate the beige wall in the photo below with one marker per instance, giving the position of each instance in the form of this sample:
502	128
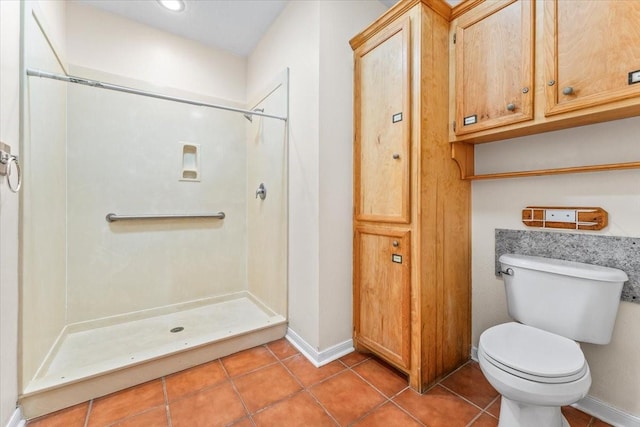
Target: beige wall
311	38
292	41
107	42
339	22
498	204
9	133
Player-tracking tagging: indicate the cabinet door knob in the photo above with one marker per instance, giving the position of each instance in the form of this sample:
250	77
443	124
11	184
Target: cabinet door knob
395	244
567	90
511	107
396	156
551	82
525	90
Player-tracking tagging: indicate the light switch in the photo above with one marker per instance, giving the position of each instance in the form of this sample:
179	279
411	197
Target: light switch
560	215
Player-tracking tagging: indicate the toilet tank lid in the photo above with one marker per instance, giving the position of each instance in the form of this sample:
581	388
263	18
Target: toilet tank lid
566	268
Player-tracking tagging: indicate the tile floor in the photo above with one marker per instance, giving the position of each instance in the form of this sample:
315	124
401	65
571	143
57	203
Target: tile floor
274	385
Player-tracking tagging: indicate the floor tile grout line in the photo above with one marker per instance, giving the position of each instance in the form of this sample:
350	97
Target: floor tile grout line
406	411
295	377
474	419
251	414
391	398
277	361
308	391
322	380
283	358
167	410
469	362
326	411
192	392
254	370
369	412
345	368
235	390
490	404
328	378
302	388
489	414
376	388
86	418
357	363
387	398
136	414
464	398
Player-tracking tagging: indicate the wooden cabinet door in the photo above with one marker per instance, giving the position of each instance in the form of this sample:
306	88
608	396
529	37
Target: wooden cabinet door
494	66
382	126
382	289
591	47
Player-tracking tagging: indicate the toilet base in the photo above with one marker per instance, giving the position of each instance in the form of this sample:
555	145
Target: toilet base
518	414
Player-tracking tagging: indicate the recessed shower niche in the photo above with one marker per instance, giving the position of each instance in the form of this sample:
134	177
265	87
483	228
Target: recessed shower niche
189	161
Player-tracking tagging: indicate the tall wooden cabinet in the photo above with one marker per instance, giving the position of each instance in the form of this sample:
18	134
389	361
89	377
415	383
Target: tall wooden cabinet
411	210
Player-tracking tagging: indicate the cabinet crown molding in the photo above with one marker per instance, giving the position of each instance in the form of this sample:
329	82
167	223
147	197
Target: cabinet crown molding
440	7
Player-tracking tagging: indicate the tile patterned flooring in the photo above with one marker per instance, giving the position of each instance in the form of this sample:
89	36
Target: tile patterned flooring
274	385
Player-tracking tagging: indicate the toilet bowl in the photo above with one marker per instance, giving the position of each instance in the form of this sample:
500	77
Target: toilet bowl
535	371
535	363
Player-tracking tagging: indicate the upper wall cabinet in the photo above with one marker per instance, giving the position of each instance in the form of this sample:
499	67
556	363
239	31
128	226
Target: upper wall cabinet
592	53
520	67
494	66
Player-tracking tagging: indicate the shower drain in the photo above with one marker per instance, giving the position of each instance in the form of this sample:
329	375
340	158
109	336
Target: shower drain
177	329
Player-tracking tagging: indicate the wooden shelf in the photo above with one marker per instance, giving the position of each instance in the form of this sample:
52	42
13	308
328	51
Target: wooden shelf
557	171
463	154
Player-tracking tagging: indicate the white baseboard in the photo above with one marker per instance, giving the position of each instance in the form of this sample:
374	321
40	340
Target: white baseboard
607	413
319	358
474	353
595	408
16	419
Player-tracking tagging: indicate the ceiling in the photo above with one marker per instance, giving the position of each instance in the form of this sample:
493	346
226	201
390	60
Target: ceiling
233	25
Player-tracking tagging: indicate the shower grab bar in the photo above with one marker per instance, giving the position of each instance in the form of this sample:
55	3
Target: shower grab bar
112	217
109	86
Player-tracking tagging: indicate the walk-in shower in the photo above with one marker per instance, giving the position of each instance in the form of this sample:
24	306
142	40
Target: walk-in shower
145	249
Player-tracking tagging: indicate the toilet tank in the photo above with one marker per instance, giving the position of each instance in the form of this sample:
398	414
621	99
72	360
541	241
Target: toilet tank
572	299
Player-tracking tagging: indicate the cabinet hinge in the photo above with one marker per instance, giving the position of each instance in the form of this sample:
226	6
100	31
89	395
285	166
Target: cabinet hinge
454	125
454	38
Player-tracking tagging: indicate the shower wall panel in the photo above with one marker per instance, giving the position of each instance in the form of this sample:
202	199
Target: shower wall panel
43	204
267	219
125	155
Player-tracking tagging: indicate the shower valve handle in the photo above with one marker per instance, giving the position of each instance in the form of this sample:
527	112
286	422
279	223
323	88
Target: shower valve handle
261	192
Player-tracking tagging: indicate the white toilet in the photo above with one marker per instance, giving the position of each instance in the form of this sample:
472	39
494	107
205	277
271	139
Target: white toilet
537	365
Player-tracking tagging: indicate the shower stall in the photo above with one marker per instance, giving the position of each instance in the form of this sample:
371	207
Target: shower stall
153	231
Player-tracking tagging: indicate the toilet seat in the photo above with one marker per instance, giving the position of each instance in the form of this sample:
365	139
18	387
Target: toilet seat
533	354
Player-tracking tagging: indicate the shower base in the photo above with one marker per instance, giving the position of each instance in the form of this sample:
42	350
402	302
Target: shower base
92	359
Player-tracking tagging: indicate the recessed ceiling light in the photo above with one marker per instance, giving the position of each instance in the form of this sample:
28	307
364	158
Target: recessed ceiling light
174	5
